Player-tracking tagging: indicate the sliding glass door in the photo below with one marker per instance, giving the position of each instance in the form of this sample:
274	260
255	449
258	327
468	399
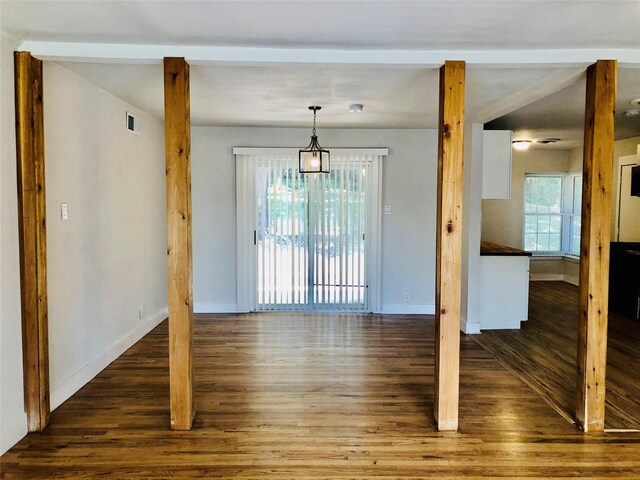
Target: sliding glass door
337	203
281	234
312	245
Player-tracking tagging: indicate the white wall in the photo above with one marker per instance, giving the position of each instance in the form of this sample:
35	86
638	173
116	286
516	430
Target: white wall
470	316
13	421
408	234
621	148
502	219
109	258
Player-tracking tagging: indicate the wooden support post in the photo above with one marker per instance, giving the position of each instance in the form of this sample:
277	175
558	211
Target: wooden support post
33	237
449	244
597	179
178	168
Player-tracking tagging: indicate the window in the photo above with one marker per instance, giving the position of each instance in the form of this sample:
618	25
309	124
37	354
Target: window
543	213
552	213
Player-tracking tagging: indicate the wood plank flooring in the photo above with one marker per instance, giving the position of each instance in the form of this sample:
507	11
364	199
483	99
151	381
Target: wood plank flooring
301	396
543	354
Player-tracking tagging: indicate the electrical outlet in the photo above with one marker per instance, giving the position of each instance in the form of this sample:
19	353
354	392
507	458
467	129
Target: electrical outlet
387	209
141	313
406	297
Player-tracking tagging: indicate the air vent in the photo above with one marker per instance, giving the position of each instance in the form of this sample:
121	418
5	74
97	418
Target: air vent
549	140
133	124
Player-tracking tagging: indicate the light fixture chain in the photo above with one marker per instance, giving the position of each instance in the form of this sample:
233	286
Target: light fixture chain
314	122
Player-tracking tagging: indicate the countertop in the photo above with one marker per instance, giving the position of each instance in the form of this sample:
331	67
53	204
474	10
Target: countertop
488	248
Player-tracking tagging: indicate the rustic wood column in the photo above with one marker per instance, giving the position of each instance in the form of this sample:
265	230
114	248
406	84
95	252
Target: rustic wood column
178	167
597	179
449	244
33	237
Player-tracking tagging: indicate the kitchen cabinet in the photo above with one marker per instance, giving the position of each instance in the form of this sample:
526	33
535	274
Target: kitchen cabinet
504	286
496	165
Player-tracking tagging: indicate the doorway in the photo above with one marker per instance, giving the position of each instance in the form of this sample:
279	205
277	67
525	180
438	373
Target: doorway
313	237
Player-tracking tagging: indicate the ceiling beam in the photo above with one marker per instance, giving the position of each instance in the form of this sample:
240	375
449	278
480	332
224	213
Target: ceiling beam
212	55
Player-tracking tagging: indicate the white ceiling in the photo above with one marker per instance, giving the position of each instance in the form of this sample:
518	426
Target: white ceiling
280	95
394	97
431	25
562	114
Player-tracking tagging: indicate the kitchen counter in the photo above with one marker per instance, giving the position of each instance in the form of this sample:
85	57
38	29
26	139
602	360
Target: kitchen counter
489	248
504	286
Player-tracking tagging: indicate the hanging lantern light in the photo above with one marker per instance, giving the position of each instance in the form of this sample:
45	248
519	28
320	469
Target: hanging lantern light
314	159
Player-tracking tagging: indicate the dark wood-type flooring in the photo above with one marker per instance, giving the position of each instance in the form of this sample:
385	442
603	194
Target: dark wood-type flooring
299	396
543	354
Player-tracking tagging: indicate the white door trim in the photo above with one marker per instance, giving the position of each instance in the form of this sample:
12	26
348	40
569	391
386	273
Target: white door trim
290	150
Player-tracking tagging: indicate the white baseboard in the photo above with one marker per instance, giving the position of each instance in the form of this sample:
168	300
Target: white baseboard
470	328
202	307
13	432
392	309
571	280
407	309
83	376
553	277
546	277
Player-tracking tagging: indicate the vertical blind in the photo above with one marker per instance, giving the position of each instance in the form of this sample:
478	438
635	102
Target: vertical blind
307	242
311	234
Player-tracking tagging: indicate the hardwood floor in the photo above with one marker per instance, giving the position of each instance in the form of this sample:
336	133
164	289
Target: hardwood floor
295	396
543	354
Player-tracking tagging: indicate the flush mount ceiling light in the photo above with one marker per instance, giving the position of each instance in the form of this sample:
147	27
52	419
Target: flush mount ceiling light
314	159
635	102
549	140
356	108
521	144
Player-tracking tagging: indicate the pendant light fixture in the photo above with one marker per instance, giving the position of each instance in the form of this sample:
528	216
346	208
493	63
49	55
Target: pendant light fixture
314	159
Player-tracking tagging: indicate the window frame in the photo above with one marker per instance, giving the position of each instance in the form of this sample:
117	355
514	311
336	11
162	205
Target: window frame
570	213
544	253
567	213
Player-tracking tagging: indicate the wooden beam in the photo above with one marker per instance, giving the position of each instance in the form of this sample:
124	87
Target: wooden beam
243	56
597	180
33	237
449	244
178	168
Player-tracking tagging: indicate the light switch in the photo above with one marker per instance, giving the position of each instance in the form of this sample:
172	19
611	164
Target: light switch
387	209
64	212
